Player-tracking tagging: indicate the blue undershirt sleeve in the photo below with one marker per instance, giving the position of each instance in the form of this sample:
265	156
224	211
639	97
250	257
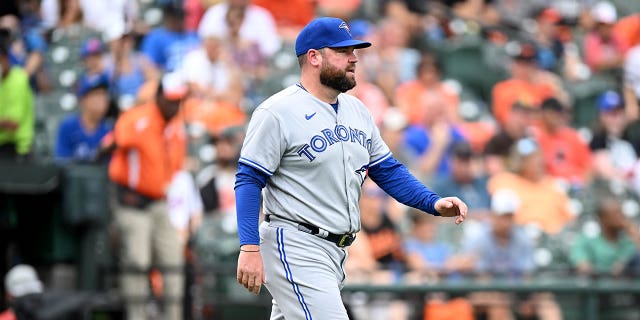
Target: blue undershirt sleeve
249	184
394	178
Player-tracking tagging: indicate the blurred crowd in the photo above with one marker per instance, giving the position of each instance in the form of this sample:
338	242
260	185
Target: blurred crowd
526	110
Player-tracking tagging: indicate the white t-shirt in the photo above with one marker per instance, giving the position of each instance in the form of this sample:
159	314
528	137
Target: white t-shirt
111	17
632	70
183	200
258	26
197	68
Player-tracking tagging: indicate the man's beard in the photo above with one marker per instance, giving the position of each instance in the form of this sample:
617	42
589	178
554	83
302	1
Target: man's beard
336	79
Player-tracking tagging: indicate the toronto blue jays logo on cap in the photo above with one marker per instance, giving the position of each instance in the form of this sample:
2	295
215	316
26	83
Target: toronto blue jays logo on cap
326	32
345	26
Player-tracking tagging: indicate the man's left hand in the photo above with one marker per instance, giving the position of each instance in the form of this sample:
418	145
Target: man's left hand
452	207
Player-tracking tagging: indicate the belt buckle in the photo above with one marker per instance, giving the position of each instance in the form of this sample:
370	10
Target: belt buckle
346	240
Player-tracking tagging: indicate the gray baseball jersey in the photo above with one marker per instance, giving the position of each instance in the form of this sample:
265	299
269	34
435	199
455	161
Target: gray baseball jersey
317	158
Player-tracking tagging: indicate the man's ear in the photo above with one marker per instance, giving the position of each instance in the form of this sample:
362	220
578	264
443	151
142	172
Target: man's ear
314	58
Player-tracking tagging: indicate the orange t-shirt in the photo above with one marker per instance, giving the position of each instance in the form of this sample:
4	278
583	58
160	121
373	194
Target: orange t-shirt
566	155
506	93
541	203
414	100
216	116
149	150
627	30
289	13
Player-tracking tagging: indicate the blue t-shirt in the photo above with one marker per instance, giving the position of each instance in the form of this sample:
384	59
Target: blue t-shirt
511	261
126	83
435	253
31	41
418	141
74	143
167	49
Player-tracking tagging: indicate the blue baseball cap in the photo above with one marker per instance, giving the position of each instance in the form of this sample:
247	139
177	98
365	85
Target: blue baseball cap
326	32
610	101
90	47
89	83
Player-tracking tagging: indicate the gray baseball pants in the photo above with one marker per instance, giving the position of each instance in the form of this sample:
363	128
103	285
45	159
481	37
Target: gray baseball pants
304	273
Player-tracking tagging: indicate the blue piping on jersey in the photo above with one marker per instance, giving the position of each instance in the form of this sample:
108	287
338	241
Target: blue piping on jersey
256	165
381	159
289	275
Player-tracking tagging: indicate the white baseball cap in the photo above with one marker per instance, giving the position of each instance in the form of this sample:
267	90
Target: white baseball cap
604	12
22	280
504	201
174	85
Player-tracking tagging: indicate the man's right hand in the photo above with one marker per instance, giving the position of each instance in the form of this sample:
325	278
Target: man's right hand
250	269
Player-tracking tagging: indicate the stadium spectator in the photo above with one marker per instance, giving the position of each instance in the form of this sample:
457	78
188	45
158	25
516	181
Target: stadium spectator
542	202
246	54
258	24
429	257
631	82
219	179
343	9
112	18
92	53
525	86
431	142
392	130
517	126
502	250
127	72
60	13
166	46
614	158
473	14
547	37
613	249
211	73
80	135
17	108
184	205
627	30
27	49
372	97
21	281
382	233
414	97
465	180
566	154
150	149
602	49
290	15
391	61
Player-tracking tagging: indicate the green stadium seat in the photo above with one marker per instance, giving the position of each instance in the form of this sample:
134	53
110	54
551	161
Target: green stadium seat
585	95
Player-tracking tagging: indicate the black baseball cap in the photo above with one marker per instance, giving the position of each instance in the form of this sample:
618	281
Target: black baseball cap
462	150
552	104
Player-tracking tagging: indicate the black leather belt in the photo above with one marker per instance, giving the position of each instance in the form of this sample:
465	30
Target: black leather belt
340	240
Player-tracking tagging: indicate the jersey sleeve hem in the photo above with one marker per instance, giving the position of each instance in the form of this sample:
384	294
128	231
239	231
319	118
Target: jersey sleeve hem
256	166
386	156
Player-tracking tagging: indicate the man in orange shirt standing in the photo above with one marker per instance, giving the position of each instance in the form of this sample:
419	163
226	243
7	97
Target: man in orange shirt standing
150	148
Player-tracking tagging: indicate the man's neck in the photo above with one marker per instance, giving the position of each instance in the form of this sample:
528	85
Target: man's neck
318	90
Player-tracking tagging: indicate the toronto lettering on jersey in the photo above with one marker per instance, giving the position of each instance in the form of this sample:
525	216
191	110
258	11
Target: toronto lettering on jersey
328	137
